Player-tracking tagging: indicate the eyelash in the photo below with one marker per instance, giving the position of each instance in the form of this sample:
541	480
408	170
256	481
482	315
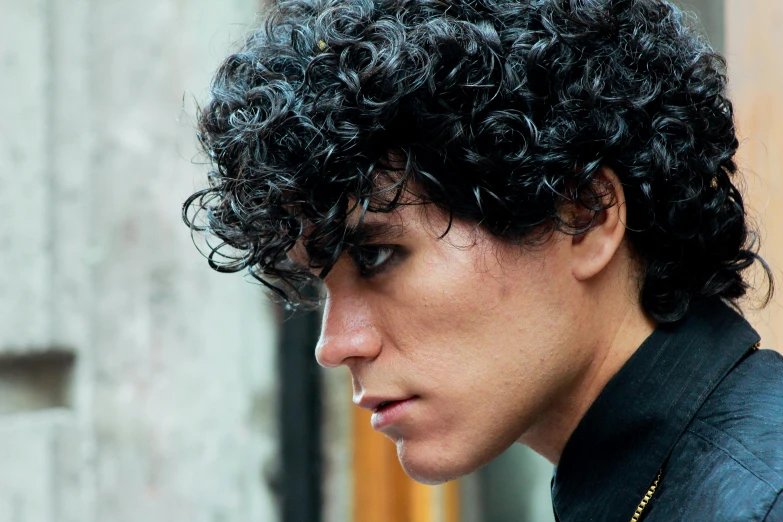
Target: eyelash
359	257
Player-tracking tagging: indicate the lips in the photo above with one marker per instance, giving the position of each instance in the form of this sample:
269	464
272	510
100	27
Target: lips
378	403
388	413
384	405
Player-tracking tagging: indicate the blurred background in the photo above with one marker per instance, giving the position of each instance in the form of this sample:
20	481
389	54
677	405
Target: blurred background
138	385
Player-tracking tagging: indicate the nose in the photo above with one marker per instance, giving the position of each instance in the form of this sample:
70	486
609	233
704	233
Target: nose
347	332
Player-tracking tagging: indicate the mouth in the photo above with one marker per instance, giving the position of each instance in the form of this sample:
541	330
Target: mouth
378	404
385	404
391	412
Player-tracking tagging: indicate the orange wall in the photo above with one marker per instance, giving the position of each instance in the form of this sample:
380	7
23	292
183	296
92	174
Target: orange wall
383	492
753	47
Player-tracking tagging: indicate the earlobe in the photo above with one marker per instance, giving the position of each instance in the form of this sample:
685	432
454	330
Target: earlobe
593	250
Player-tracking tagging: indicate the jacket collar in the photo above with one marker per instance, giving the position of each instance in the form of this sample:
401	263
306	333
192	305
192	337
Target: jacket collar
627	434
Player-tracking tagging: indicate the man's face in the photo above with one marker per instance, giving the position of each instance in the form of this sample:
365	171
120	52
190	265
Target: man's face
478	337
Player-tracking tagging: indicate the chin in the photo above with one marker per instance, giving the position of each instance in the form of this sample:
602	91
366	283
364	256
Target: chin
432	465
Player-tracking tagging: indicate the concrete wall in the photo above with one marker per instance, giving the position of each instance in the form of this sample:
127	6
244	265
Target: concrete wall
135	383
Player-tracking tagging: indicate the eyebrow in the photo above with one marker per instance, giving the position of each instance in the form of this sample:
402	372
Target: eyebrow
370	232
374	231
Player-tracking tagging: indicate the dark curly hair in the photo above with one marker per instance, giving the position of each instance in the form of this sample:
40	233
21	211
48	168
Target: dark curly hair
502	112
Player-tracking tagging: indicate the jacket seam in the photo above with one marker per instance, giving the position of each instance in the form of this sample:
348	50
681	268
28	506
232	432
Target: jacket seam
772	505
775	488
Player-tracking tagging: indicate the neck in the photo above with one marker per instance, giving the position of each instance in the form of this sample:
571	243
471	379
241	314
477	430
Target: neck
622	338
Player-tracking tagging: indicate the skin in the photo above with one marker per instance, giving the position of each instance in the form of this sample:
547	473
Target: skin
497	343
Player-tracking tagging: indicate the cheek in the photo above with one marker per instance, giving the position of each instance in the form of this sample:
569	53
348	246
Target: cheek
467	338
465	309
485	348
437	315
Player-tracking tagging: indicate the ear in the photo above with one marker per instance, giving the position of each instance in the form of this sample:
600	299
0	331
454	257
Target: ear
593	250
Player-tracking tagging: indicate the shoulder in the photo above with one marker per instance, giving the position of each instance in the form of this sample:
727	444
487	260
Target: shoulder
729	462
744	415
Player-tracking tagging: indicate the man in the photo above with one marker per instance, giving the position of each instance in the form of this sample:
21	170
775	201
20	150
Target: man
523	220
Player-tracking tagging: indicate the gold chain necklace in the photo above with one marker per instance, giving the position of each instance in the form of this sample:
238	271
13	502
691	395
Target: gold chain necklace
643	504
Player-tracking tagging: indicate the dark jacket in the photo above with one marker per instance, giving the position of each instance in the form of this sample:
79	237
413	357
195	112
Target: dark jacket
698	405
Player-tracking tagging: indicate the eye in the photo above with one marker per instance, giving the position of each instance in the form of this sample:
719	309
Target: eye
371	259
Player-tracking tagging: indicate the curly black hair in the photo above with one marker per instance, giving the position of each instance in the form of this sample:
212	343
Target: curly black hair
502	112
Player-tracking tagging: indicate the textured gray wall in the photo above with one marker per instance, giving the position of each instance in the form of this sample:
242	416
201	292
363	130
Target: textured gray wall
710	15
135	383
